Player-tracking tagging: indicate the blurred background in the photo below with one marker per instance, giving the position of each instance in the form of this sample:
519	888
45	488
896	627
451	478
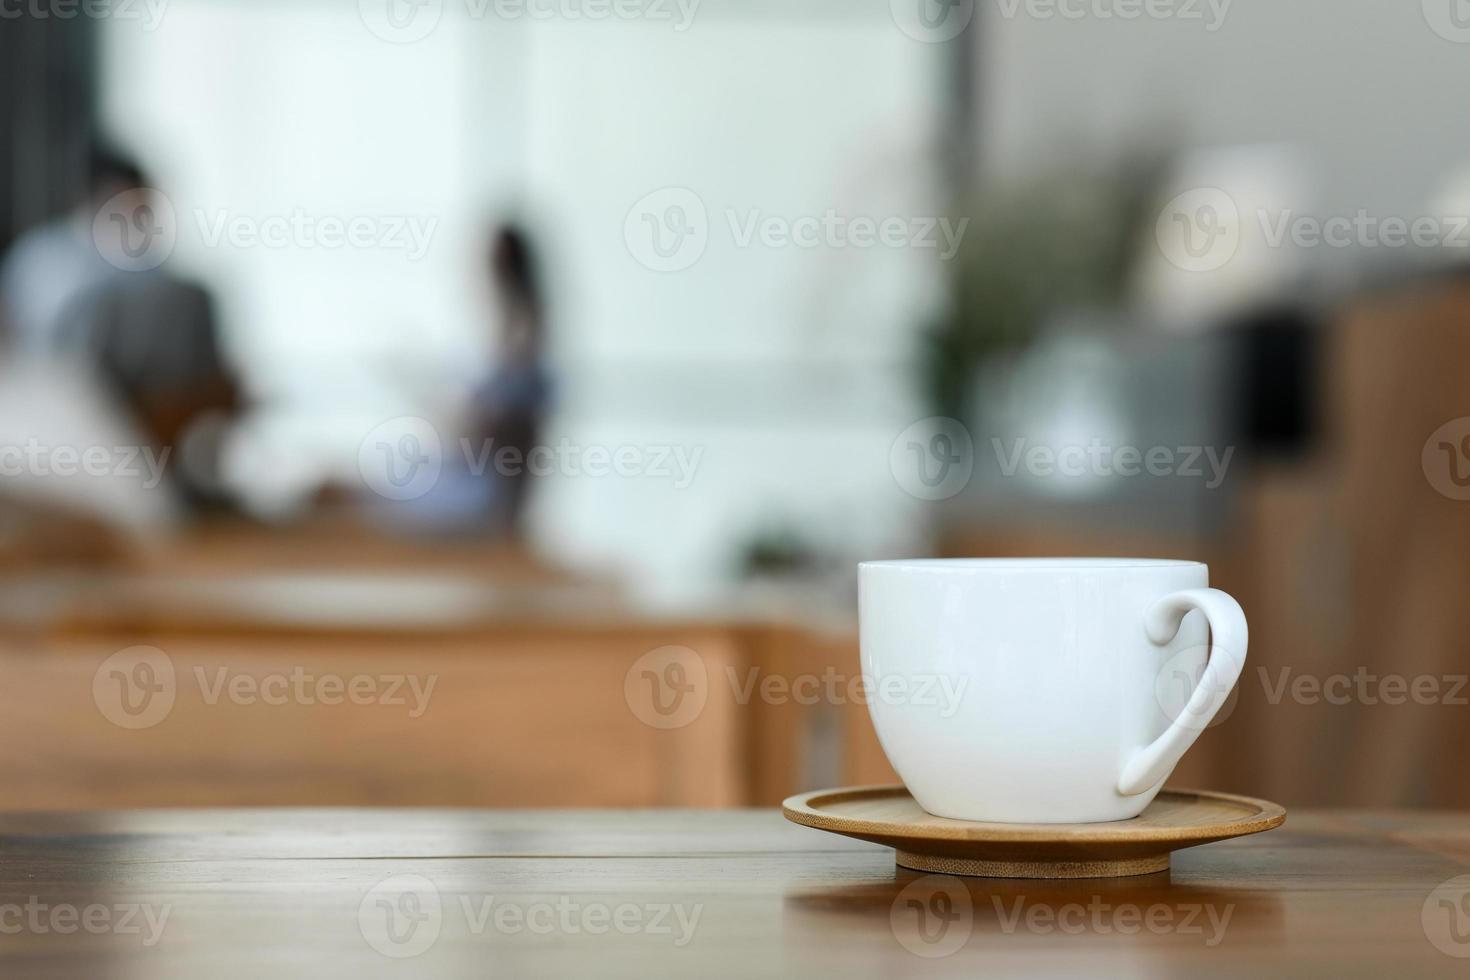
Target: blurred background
486	402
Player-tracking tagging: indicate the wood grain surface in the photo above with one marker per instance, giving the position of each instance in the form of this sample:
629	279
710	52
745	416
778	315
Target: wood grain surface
323	893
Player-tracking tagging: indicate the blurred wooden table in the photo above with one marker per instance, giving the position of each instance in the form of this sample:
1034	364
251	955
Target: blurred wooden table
460	673
237	893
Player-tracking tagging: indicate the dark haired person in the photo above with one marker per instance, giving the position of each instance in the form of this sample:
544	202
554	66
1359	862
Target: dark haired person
88	293
485	488
510	406
51	267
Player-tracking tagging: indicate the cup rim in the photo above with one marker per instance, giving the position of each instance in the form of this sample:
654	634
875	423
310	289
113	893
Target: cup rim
1026	564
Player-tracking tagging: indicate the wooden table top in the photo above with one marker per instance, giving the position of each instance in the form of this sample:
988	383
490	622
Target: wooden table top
344	602
362	893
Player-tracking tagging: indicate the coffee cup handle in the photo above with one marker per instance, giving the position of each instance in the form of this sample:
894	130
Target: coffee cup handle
1151	764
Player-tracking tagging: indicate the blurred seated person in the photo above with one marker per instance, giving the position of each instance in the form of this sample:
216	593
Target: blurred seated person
51	265
508	408
502	421
88	289
153	343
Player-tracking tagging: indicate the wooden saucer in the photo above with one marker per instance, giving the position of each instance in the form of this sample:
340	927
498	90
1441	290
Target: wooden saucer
1175	819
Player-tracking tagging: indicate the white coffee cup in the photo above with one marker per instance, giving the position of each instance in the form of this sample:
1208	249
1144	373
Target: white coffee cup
1039	690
